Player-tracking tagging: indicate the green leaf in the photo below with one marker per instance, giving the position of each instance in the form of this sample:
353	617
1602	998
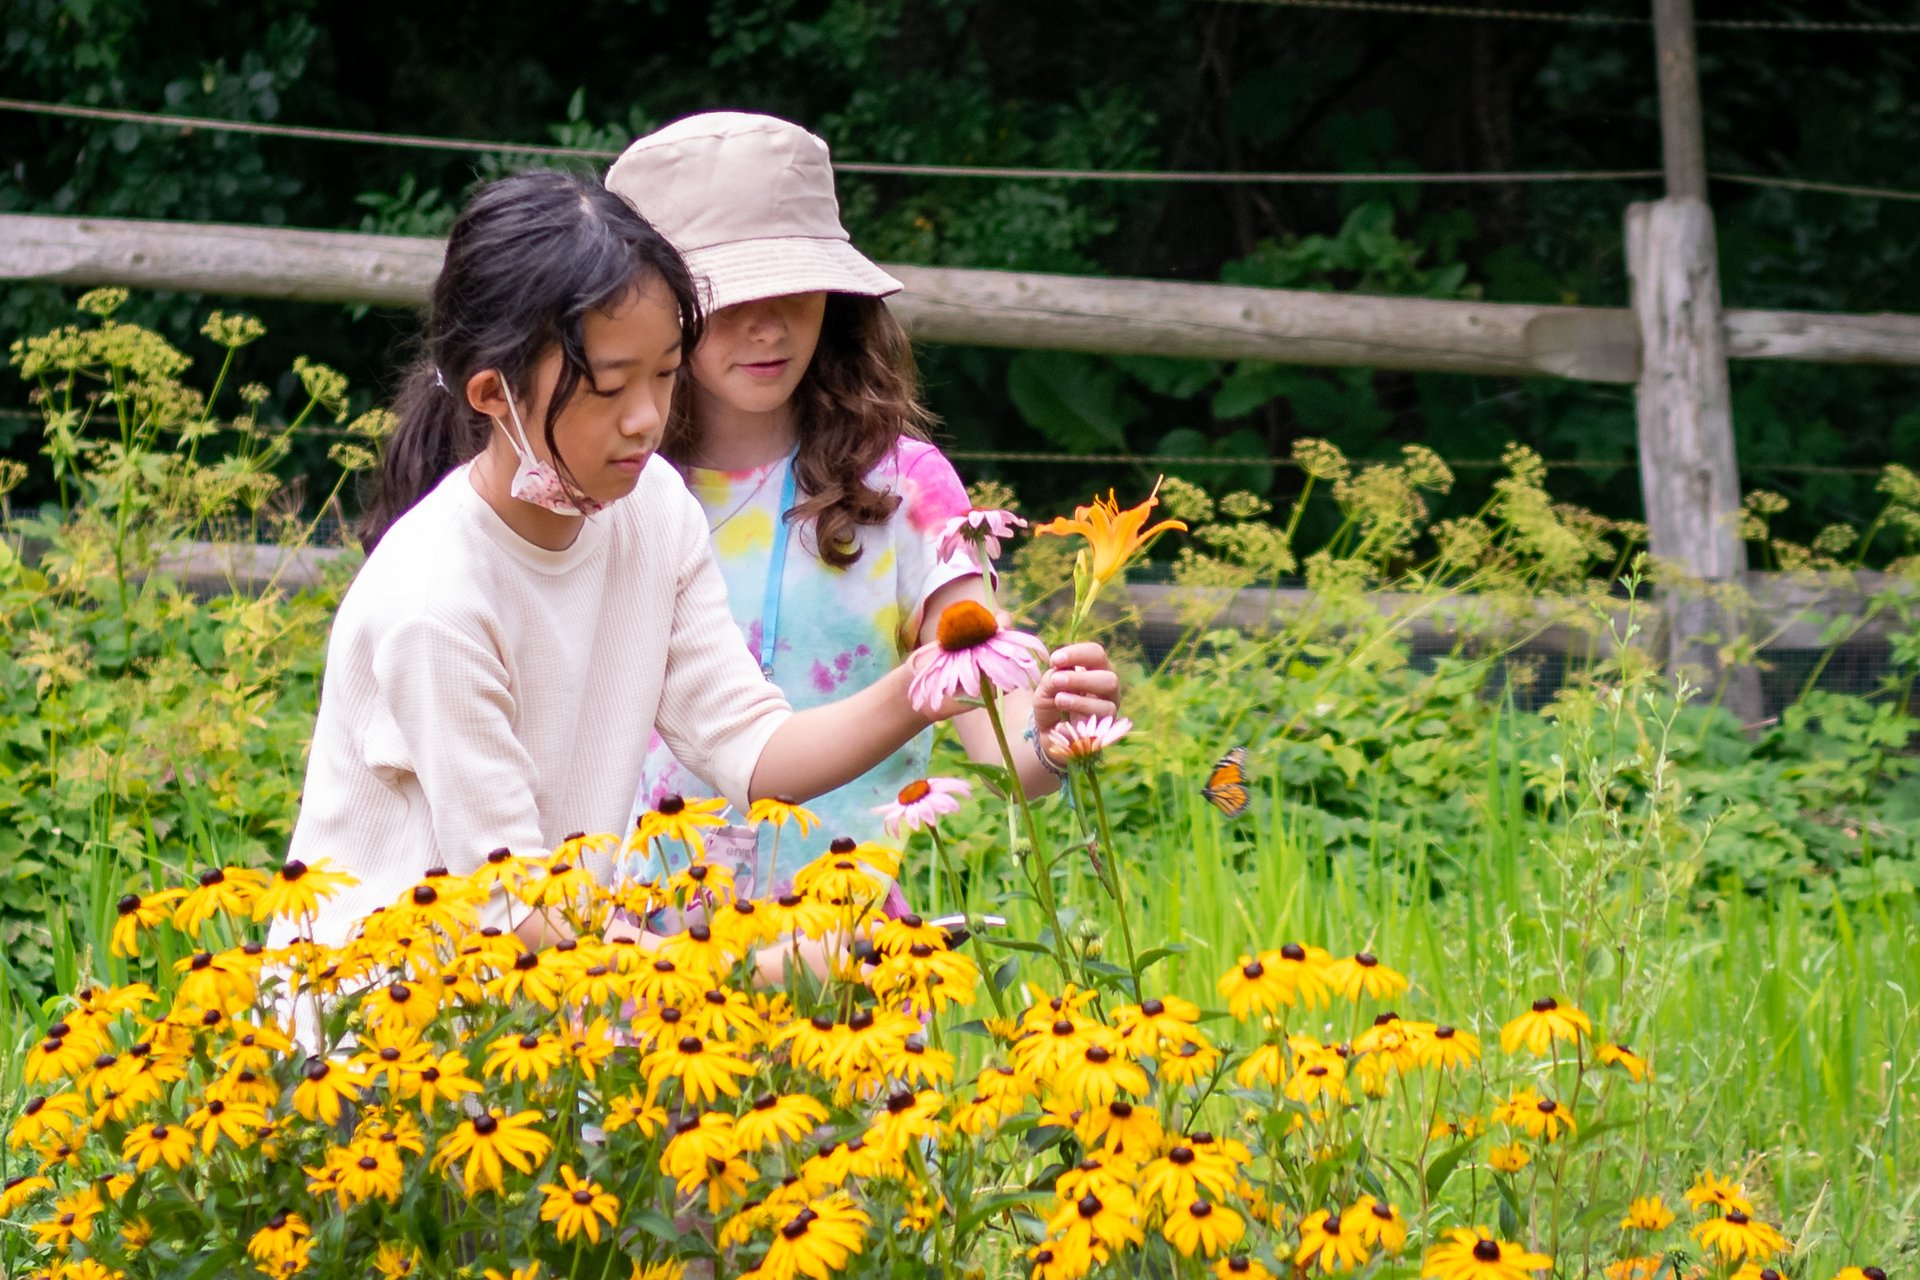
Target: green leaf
979	1210
1075	400
1015	944
1442	1168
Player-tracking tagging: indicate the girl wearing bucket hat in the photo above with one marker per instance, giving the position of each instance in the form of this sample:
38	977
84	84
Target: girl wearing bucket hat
798	428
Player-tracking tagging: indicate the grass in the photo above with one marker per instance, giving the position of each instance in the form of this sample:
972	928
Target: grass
1781	1025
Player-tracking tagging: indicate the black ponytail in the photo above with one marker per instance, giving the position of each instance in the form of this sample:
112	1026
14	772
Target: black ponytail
528	258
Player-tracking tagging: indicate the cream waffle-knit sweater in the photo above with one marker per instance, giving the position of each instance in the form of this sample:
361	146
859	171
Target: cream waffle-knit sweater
483	692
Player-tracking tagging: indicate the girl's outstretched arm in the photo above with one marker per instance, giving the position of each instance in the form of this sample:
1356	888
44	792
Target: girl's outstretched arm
816	750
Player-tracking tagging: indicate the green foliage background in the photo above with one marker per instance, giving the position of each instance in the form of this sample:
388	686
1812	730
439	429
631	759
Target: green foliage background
1176	84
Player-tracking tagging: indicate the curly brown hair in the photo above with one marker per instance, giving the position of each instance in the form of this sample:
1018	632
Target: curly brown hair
858	397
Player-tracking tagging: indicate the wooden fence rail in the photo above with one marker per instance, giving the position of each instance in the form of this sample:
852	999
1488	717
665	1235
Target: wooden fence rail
988	308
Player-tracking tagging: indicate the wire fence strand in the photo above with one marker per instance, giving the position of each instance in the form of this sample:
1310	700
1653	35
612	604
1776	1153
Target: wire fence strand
189	124
1588	19
869	167
1041	457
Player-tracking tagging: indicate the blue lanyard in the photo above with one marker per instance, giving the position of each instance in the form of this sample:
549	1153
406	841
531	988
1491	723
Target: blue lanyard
776	570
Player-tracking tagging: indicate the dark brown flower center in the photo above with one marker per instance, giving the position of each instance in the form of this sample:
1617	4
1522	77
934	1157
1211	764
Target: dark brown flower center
671	805
965	625
1545	1004
486	1125
1486	1251
583	1196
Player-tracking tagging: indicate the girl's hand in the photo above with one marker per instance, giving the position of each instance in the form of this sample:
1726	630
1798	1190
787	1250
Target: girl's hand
1080	682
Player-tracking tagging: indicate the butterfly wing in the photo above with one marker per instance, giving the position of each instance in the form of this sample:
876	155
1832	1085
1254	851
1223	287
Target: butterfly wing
1226	788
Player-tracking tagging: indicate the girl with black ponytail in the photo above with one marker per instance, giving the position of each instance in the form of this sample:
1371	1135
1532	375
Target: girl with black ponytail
533	603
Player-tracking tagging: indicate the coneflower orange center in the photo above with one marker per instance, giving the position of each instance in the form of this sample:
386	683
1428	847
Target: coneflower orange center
915	791
966	625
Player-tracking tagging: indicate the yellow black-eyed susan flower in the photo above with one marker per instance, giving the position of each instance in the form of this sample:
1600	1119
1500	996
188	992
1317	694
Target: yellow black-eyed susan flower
577	1206
1476	1255
706	1070
636	1109
367	1169
1099	1224
324	1088
677	818
1190	1064
277	1238
20	1191
536	975
1379	1223
1183	1175
1331	1241
1735	1235
1709	1191
532	1056
778	1118
1511	1158
1361	976
229	889
1122	1128
395	1261
1548	1020
1203	1227
71	1219
488	1143
240	1123
1618	1055
1057	1260
1535	1116
1158	1025
155	1143
1101	1072
1446	1047
57	1115
1240	1266
137	914
818	1240
297	889
908	1118
1647	1213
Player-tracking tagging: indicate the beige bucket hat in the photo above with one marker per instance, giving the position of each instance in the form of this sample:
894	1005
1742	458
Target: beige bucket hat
748	201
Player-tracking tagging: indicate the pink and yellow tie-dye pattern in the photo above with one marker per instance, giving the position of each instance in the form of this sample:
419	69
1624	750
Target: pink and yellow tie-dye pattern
839	629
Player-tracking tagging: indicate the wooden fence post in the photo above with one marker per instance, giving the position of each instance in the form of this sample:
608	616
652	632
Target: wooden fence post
1689	479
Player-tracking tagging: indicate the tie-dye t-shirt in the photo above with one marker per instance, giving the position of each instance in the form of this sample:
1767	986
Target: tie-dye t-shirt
839	630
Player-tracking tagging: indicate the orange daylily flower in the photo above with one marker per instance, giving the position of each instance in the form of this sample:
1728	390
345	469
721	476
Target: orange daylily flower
1113	536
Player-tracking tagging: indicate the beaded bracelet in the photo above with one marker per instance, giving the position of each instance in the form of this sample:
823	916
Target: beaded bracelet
1032	734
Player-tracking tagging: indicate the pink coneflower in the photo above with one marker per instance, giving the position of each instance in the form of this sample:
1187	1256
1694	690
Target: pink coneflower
971	647
979	530
921	802
1085	739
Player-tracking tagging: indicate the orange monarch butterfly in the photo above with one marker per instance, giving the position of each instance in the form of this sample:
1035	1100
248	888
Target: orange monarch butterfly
1226	788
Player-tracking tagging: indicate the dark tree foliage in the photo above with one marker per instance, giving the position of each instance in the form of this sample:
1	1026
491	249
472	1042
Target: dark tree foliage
1173	84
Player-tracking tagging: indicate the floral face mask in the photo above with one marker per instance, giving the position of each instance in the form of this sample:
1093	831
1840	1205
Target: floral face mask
536	481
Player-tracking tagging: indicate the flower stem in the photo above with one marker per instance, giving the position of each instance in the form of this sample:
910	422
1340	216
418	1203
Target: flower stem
1109	867
1043	881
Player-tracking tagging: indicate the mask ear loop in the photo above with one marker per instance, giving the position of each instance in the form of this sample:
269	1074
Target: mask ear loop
513	414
